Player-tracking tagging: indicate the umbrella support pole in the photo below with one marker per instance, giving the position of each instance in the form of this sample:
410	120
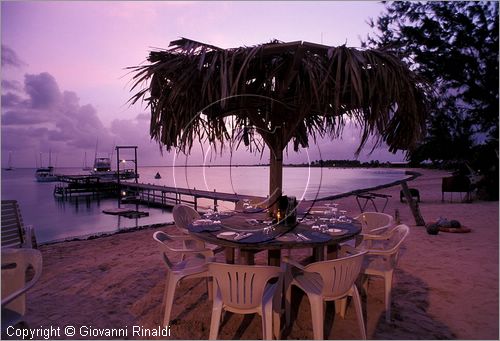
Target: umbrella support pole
415	210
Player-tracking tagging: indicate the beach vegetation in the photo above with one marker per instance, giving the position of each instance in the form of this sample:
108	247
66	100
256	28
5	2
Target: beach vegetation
455	46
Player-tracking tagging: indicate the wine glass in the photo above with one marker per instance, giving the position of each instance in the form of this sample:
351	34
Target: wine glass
343	216
335	210
209	212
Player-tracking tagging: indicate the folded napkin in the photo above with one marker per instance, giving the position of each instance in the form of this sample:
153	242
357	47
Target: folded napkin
235	236
314	236
253	210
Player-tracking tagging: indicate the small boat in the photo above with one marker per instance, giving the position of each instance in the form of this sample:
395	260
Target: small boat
9	165
45	174
158	176
102	169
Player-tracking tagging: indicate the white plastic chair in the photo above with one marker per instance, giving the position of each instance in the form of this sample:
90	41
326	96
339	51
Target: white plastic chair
382	258
15	262
183	216
373	223
192	267
247	289
331	280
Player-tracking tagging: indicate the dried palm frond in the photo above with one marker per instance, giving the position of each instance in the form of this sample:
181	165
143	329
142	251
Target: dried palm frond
303	88
282	91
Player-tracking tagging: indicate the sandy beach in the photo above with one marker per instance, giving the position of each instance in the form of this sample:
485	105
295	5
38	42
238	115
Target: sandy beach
446	285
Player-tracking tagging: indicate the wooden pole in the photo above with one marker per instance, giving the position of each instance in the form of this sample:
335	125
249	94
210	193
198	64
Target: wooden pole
415	210
275	178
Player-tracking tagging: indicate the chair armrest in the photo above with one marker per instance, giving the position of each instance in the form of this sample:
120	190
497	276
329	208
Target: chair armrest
180	237
293	263
375	236
382	228
27	286
374	252
189	250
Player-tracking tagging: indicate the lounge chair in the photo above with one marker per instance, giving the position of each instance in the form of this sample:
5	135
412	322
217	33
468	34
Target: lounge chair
14	233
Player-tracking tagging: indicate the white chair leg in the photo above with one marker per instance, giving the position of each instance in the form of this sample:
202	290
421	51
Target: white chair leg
168	297
210	288
276	317
317	316
388	289
288	305
365	284
267	321
359	312
341	306
216	316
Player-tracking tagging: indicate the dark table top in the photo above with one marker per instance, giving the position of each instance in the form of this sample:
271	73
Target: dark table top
263	235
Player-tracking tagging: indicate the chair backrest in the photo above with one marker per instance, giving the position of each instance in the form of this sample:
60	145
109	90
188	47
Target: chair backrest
396	237
242	286
183	216
389	248
374	221
15	262
338	275
13	232
164	240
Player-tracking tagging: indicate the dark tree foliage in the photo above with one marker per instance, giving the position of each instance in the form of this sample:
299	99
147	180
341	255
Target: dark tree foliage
455	46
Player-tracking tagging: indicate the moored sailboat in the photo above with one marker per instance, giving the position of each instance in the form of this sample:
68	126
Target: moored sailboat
45	174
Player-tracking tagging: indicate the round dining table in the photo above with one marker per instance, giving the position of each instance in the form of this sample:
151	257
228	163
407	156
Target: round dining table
253	231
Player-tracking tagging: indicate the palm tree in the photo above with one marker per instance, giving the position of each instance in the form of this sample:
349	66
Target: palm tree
281	91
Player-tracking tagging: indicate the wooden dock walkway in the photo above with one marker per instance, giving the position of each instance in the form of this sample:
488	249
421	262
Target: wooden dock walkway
169	196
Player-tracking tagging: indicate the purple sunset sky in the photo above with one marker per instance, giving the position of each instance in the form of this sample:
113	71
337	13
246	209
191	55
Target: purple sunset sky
64	83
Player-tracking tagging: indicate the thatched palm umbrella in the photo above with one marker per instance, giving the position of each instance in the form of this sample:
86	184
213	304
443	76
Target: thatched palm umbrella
283	91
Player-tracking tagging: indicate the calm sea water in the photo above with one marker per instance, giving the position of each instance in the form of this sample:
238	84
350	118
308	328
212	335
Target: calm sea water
56	219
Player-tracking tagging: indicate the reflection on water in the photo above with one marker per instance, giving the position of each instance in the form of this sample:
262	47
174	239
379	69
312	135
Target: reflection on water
55	219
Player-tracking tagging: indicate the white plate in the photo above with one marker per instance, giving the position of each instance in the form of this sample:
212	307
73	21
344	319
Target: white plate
226	234
336	231
202	222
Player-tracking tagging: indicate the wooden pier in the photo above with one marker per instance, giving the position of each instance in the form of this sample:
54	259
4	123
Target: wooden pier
84	185
169	196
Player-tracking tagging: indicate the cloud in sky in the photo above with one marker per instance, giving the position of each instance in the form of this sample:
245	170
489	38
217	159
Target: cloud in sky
42	118
10	58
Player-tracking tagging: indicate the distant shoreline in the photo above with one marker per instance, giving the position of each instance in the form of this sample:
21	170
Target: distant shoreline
314	165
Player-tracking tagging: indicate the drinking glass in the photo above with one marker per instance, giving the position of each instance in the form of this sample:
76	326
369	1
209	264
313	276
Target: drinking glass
335	210
209	212
343	216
